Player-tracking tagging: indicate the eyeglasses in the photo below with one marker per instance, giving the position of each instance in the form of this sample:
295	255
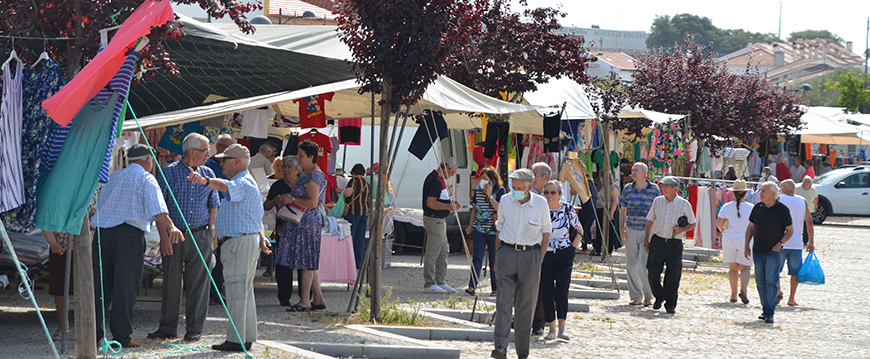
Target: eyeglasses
550	192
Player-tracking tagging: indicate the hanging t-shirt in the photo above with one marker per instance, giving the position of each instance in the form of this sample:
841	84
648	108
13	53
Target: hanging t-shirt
332	155
256	123
426	135
311	110
349	131
325	144
552	127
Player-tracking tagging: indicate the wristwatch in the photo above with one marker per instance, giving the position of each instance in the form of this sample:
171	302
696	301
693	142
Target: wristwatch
210	226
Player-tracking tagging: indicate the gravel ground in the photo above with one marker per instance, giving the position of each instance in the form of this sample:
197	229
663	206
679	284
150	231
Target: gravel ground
832	320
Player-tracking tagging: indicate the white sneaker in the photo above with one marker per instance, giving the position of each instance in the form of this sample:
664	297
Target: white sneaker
447	288
434	289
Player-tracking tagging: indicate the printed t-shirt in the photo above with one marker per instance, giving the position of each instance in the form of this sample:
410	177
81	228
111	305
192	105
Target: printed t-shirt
311	110
325	145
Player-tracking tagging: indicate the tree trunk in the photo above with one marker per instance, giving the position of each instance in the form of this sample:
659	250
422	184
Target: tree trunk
85	323
378	210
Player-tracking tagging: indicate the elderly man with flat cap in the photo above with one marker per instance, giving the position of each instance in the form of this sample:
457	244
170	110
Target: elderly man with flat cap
240	231
666	224
524	234
128	204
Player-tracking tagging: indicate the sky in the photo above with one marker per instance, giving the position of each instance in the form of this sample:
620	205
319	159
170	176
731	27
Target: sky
847	19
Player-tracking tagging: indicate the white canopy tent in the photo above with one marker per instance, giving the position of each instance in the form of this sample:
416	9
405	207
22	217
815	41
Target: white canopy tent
324	41
821	129
655	117
445	95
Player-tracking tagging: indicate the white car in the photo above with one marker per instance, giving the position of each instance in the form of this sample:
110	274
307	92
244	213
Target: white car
845	191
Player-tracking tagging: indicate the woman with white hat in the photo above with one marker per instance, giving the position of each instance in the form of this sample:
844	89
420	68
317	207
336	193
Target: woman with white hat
732	222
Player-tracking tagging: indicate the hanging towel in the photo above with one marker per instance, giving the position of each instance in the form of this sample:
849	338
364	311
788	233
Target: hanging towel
349	131
425	136
64	198
63	106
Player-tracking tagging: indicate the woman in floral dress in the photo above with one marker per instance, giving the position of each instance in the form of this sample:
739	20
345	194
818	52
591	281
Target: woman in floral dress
300	243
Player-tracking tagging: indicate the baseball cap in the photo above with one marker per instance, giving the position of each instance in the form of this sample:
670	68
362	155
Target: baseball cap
235	151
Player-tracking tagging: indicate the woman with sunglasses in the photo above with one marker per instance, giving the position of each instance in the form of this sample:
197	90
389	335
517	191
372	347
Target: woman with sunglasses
559	260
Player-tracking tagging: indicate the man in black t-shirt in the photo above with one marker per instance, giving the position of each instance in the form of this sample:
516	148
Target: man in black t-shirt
770	224
436	207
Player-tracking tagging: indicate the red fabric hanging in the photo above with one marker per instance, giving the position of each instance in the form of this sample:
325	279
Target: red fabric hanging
808	151
67	102
693	199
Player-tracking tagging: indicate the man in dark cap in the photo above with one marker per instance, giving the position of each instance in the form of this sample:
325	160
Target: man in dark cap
128	204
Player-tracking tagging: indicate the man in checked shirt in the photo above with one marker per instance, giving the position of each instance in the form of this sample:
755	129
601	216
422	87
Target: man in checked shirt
181	261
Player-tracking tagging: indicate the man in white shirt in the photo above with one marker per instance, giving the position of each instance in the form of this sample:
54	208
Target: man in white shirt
263	159
664	242
524	234
792	249
797	170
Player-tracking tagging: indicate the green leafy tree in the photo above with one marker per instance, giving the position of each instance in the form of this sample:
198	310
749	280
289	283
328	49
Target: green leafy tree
823	96
816	34
853	90
668	31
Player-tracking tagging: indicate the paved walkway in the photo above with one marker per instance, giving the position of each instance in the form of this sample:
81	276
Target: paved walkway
832	321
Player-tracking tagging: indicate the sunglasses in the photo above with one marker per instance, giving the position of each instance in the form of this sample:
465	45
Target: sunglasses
550	192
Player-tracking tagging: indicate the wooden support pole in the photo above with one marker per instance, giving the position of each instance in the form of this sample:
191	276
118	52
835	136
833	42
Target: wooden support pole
85	323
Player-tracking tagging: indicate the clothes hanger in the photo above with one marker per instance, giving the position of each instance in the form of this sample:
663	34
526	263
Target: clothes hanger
12	56
42	56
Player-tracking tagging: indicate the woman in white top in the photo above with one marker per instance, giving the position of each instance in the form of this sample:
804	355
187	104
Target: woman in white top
732	222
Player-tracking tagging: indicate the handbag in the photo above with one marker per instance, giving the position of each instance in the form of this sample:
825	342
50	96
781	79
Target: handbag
291	213
811	271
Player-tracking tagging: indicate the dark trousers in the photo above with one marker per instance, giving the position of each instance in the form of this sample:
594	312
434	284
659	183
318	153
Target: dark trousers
613	241
217	274
184	270
587	221
555	282
805	236
284	279
121	250
483	243
358	232
662	254
538	322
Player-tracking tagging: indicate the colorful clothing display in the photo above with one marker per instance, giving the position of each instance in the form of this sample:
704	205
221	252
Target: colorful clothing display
96	74
38	86
69	187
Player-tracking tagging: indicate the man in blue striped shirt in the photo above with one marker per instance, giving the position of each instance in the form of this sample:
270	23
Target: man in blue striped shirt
199	207
634	204
239	227
126	206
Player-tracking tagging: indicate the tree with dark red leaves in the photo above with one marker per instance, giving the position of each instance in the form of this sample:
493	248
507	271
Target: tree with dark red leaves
723	106
399	48
79	22
510	52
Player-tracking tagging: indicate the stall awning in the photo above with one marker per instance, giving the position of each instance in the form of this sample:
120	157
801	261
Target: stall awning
245	74
820	129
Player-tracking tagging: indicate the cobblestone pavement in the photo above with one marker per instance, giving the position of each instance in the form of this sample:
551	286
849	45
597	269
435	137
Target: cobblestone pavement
832	321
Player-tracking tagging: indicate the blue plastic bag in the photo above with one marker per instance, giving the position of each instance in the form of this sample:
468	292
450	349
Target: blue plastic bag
811	271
